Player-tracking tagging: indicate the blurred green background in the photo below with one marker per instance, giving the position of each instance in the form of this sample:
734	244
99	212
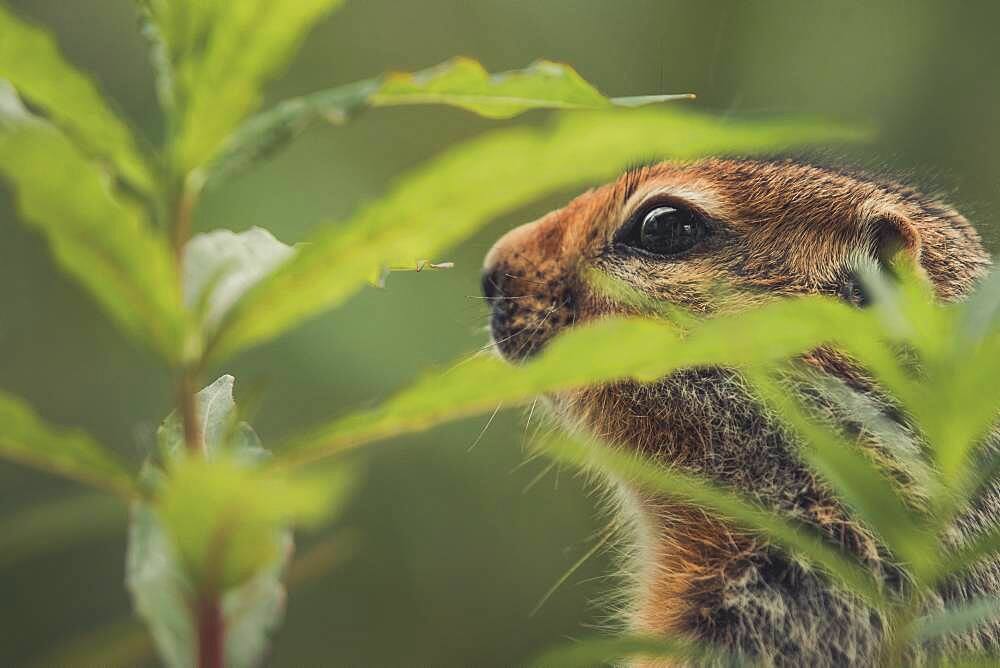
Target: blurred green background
453	545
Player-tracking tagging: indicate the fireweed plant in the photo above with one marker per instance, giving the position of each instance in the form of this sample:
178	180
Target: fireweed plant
212	511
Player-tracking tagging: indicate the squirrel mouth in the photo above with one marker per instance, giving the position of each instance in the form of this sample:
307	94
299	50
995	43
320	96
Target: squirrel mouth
521	324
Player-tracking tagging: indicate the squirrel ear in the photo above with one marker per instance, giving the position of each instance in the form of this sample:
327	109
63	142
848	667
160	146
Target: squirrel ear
895	239
895	244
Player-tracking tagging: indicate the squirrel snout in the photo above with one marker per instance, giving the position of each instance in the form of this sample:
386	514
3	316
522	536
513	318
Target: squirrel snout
497	265
492	282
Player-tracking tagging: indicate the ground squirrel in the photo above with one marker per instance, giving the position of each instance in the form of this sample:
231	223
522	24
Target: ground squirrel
761	228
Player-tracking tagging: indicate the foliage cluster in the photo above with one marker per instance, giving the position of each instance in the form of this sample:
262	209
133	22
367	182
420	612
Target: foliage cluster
212	510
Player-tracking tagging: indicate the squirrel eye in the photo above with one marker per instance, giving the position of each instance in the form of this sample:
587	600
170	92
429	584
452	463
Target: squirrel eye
666	230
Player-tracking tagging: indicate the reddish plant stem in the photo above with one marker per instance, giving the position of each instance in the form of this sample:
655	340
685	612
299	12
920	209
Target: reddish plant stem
183	219
211	632
193	437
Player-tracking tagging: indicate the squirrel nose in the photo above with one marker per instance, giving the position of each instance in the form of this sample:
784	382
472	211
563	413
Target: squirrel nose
493	282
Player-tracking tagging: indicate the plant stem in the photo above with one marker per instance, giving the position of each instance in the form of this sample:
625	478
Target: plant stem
185	201
193	438
211	632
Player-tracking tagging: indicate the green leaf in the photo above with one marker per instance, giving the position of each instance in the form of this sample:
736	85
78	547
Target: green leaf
268	132
222	431
164	596
979	660
443	202
981	312
54	525
26	439
253	611
30	60
958	619
462	82
217	72
613	651
220	266
226	520
219	527
225	516
481	384
102	243
160	590
855	479
645	350
127	643
955	353
796	538
986	545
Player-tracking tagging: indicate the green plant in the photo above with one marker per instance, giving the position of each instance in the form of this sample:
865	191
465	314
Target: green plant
949	397
212	511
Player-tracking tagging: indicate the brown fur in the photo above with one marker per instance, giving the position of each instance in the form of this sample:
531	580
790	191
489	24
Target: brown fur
779	228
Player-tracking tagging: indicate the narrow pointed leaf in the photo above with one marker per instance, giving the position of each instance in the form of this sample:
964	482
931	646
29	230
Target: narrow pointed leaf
981	312
24	438
861	484
217	72
99	241
797	538
464	83
645	350
960	405
443	202
31	61
265	134
460	82
957	619
985	546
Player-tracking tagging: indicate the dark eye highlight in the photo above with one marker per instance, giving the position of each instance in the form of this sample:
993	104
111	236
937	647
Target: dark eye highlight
666	230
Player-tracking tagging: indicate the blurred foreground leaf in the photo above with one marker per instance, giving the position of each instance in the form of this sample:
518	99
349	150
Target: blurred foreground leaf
219	530
958	619
447	199
460	82
30	60
26	439
100	242
645	350
797	538
160	590
858	482
226	519
218	55
165	597
128	643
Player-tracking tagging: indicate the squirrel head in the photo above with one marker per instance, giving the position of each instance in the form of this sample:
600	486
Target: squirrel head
713	236
708	237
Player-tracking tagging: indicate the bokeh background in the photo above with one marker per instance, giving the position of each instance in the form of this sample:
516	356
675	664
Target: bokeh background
447	547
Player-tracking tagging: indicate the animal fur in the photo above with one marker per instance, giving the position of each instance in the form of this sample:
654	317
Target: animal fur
779	228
